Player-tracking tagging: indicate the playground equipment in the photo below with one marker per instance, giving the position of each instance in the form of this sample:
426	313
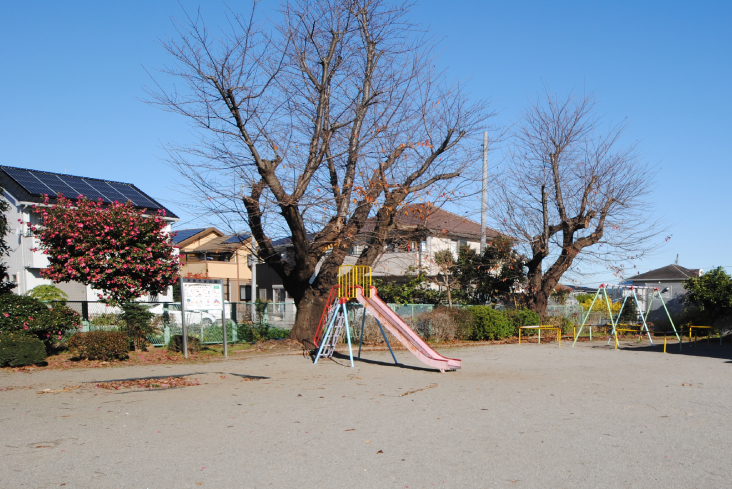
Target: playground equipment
615	321
354	282
539	328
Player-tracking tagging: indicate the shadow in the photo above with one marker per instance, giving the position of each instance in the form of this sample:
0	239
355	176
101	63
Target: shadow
698	348
384	364
177	376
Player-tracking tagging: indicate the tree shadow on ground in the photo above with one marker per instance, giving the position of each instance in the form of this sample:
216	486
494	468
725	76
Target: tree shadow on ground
381	363
177	376
698	348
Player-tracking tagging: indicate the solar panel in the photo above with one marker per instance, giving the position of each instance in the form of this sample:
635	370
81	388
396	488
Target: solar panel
58	185
28	181
184	234
111	192
84	188
134	196
237	238
39	183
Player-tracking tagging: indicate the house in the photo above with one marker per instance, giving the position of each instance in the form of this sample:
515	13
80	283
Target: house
24	188
209	253
669	281
421	231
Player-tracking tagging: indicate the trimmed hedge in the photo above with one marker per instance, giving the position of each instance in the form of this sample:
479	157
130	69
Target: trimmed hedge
490	324
19	350
100	345
523	317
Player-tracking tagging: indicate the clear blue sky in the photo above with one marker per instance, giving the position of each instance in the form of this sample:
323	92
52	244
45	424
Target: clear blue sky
72	75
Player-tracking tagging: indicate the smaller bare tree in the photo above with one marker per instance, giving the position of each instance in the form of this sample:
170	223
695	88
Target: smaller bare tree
572	191
446	265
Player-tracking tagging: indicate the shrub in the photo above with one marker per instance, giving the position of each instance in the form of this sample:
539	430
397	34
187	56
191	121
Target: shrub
48	293
523	317
29	315
107	319
490	324
565	323
19	350
100	345
137	323
436	325
464	322
176	343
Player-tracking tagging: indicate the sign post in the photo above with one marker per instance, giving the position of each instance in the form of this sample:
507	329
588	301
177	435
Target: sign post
202	295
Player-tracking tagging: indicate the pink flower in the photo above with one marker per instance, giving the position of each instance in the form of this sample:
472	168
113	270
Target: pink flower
6	314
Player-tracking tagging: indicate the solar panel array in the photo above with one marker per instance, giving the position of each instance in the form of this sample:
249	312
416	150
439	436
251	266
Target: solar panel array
52	184
237	238
184	234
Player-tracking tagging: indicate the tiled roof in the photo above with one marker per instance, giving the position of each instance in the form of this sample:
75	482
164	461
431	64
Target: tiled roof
436	220
670	272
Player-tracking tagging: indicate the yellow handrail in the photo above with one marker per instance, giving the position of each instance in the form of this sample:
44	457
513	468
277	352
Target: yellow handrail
352	276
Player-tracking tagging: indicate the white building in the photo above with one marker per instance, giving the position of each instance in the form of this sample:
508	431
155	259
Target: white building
23	188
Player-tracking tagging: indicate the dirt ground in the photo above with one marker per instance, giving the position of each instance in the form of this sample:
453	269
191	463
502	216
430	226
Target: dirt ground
515	416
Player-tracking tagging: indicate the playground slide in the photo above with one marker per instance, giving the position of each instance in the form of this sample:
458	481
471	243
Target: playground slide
406	336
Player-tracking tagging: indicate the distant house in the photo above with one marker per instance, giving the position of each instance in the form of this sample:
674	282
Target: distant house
421	231
669	281
209	253
23	188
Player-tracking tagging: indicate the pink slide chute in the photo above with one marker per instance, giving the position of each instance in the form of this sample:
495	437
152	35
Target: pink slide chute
406	336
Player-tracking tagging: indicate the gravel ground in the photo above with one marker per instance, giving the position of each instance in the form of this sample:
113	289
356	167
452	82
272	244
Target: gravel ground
514	416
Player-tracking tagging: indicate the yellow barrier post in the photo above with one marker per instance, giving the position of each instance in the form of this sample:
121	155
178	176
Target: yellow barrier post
519	336
664	342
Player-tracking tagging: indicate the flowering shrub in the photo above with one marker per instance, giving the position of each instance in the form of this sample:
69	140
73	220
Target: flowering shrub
100	345
113	248
30	316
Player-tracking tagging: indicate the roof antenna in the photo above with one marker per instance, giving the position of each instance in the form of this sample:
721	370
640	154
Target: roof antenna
677	259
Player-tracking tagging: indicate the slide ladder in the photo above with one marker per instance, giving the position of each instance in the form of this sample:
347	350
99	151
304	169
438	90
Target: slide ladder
406	335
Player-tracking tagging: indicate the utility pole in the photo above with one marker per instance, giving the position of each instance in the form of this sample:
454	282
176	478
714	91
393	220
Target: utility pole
484	203
254	260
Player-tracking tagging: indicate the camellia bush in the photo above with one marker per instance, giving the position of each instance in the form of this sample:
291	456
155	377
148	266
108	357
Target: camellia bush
114	248
23	314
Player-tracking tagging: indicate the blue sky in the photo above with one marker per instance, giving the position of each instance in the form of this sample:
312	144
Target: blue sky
72	76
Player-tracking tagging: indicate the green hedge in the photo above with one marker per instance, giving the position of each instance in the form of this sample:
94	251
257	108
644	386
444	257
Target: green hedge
523	317
490	324
19	350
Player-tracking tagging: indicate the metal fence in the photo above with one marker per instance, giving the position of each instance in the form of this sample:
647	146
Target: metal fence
206	325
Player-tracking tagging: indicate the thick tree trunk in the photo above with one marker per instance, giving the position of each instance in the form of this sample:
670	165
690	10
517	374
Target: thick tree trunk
309	309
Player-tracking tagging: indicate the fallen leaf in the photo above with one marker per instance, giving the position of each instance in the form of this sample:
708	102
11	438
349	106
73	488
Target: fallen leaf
380	451
223	376
351	429
199	483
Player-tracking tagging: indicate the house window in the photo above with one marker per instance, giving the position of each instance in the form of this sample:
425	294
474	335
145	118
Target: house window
453	247
245	293
423	246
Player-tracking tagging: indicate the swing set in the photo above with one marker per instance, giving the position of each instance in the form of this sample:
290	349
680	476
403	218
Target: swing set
615	320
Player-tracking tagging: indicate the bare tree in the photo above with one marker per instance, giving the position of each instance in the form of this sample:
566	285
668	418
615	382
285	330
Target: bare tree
571	192
336	115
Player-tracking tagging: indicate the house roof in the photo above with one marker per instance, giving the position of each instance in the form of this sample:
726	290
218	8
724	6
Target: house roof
34	185
220	244
184	234
436	220
669	272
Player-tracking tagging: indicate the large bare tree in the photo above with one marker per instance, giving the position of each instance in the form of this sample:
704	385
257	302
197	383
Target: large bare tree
311	124
572	191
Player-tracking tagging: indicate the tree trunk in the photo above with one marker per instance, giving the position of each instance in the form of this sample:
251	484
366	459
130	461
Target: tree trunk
309	310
